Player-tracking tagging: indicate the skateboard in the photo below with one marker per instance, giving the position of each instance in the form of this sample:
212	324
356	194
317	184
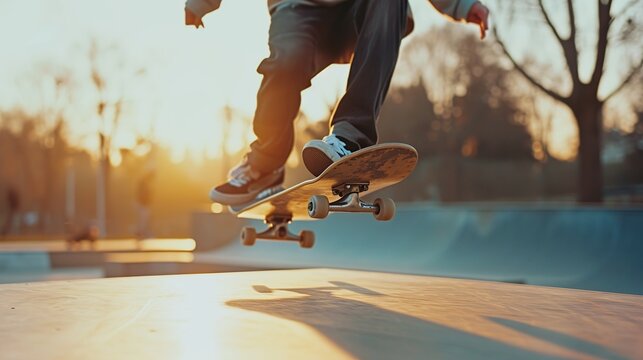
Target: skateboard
338	189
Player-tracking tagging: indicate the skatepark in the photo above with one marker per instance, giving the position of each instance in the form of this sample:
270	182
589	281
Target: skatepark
321	179
435	282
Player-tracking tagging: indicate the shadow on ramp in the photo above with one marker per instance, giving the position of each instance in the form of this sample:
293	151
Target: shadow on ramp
367	331
563	340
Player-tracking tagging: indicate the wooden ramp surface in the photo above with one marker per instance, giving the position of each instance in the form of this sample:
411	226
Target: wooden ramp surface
315	313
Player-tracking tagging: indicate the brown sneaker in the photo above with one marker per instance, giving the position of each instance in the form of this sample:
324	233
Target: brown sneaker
245	184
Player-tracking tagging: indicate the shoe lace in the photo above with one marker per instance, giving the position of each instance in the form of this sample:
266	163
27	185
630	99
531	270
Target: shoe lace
242	166
338	145
241	179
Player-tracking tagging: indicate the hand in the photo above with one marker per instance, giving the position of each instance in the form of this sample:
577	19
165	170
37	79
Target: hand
479	14
191	19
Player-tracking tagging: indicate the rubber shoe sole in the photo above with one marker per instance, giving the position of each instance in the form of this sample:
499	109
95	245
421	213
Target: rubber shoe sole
269	181
262	195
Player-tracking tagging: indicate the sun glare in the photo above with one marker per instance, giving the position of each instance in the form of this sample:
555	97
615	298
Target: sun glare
216	208
174	80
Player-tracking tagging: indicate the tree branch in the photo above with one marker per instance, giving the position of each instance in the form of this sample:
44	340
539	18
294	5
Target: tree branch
548	20
604	22
568	45
572	20
635	70
524	73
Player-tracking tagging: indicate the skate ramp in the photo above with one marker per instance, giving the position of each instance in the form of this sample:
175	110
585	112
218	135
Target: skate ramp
313	314
593	249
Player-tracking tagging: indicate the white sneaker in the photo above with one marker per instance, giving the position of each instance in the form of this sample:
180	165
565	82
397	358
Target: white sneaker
320	154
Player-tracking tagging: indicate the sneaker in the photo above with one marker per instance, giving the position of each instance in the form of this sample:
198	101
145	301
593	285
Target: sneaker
320	154
245	184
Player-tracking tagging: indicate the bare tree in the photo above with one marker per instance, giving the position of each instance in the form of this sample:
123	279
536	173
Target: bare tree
44	147
55	140
584	100
109	108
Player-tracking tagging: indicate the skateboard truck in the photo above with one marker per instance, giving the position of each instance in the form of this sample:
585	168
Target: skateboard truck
319	206
344	182
277	230
346	189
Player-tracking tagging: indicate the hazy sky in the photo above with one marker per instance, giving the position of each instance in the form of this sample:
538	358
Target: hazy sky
189	74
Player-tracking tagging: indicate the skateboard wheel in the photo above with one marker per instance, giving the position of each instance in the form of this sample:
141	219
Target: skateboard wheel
318	207
307	239
248	236
385	209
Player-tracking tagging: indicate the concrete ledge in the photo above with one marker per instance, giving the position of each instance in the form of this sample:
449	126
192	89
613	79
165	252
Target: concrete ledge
59	254
19	261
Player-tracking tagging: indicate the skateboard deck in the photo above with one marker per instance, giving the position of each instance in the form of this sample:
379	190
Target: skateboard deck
378	166
337	189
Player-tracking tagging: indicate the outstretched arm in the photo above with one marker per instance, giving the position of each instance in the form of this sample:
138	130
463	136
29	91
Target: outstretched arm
471	11
196	9
479	14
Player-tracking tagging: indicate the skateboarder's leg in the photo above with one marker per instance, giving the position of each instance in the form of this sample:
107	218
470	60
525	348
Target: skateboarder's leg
381	26
293	62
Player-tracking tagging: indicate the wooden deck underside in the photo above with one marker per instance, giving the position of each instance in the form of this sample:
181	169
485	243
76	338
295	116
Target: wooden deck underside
380	165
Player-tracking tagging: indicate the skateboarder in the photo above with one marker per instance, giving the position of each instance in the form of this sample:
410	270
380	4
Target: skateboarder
305	37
